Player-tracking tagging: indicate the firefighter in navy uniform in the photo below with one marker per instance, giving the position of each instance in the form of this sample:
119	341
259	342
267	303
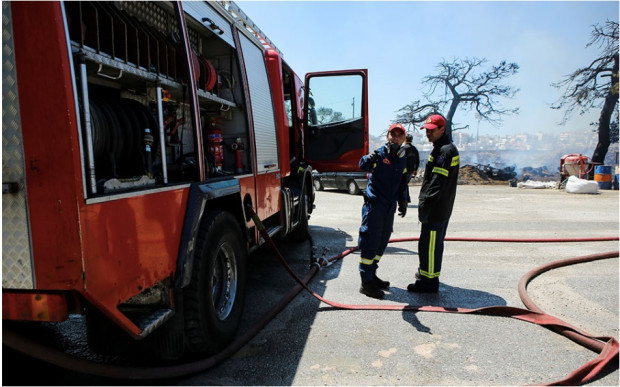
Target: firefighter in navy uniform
387	189
435	205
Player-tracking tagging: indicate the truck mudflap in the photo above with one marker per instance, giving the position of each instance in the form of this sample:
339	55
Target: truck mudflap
225	188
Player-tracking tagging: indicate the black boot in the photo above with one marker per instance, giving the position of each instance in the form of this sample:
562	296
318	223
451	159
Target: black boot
380	283
371	290
424	285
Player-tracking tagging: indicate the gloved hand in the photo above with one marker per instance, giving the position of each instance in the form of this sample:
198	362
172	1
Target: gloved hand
402	208
373	157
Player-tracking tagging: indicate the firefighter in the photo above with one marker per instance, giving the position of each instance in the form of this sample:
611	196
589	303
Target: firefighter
435	204
413	157
387	189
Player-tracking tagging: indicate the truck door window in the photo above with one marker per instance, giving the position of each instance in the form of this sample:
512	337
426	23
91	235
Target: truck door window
335	117
334	99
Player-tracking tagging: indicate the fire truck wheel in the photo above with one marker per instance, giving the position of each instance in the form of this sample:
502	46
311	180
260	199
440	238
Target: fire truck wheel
300	233
352	187
213	301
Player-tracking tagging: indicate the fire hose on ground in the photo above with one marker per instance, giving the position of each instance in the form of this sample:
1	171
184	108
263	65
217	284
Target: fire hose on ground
606	347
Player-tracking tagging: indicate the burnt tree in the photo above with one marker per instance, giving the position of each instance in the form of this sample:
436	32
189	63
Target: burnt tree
463	84
596	86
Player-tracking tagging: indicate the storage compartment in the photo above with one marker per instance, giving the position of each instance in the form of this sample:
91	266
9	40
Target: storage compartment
136	115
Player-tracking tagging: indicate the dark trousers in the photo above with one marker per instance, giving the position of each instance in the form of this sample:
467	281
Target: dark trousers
374	235
430	248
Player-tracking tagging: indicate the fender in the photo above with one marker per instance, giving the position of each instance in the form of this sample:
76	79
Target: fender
226	192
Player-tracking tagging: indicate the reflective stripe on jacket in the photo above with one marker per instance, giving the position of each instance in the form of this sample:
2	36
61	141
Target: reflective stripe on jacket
439	185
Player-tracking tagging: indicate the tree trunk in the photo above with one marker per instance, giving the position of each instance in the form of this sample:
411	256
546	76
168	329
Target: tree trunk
598	157
451	111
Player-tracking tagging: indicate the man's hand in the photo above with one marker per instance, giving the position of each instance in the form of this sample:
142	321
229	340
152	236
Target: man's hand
402	208
373	157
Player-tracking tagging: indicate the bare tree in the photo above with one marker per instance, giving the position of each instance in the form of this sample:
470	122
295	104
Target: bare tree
414	113
462	84
596	86
328	115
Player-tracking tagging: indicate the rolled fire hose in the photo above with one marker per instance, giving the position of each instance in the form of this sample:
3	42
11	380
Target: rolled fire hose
607	347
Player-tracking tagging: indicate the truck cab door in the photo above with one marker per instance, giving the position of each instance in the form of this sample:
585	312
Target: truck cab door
336	119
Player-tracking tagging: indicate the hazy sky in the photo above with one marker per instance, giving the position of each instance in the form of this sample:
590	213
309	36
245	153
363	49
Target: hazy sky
400	42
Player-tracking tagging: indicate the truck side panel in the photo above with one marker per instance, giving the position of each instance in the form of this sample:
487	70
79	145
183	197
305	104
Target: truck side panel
135	241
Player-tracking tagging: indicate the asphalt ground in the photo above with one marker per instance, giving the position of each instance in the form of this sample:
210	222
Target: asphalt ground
311	343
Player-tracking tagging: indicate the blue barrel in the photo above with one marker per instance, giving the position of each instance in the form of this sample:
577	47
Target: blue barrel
616	181
602	175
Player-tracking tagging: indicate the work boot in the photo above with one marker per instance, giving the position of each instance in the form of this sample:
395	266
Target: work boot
380	283
424	286
370	289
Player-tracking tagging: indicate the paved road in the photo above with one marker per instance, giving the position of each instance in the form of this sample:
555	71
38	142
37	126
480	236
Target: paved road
312	344
309	343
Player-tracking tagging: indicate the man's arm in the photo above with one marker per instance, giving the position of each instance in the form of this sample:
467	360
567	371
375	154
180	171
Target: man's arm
367	163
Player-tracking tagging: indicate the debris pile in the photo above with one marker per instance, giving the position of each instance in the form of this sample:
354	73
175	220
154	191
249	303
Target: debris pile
485	174
539	174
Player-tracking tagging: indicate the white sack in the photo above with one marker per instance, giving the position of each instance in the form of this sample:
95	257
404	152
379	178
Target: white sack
536	184
581	186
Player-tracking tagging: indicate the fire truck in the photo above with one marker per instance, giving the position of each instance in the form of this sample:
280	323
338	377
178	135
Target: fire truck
136	135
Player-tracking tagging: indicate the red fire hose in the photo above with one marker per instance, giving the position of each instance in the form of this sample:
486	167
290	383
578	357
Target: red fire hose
607	347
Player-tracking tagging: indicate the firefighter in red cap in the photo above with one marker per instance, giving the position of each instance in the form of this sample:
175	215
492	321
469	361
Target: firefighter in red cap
387	189
435	204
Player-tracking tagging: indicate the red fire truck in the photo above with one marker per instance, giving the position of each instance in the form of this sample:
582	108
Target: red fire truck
135	136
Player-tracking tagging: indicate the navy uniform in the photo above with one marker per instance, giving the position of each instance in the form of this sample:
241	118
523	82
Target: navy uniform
387	188
436	201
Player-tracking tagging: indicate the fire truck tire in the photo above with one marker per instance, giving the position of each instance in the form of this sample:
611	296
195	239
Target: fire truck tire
213	301
352	187
300	233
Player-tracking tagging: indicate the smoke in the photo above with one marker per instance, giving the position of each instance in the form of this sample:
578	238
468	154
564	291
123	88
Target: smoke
547	157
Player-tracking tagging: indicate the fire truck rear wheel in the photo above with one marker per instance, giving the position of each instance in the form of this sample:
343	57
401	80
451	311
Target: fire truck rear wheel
300	233
213	301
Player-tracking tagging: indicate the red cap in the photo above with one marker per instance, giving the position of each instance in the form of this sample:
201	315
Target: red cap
397	126
433	122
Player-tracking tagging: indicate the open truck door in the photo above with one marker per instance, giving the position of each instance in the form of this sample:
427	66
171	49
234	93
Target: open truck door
336	119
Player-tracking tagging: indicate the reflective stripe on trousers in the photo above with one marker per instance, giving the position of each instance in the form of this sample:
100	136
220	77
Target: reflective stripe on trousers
430	248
